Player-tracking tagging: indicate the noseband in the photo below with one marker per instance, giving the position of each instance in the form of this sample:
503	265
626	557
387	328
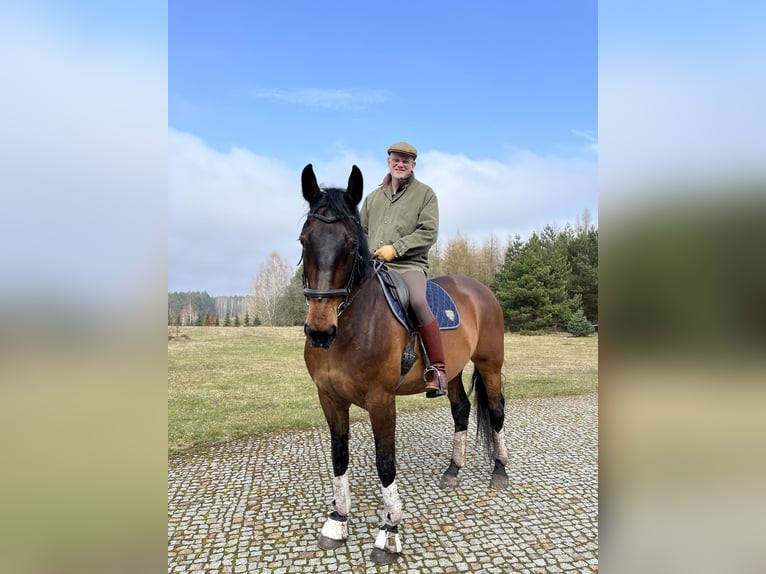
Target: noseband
345	292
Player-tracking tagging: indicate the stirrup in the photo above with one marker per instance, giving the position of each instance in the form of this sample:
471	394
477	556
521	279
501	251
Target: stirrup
433	393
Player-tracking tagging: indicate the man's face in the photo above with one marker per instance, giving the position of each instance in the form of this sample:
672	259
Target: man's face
400	165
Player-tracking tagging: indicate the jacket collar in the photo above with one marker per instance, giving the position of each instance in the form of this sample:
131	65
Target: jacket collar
404	184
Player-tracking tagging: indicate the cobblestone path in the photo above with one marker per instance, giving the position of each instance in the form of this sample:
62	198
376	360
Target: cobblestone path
258	504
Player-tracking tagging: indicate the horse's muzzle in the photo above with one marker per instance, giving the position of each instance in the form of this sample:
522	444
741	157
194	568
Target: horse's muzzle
322	339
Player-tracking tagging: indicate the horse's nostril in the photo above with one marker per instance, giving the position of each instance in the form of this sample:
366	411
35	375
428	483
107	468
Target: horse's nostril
319	338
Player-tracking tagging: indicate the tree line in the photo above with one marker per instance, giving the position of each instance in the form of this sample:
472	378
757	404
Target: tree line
198	308
543	283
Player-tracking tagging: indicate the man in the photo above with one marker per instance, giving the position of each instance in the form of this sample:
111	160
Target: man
401	221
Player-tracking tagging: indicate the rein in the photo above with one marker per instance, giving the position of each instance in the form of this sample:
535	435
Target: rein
345	292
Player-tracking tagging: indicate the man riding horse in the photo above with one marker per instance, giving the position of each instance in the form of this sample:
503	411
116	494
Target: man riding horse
401	221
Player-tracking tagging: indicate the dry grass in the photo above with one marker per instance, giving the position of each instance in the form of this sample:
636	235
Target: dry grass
550	365
229	382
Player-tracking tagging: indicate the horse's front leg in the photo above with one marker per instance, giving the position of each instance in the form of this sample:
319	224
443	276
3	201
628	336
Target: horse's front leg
388	544
335	529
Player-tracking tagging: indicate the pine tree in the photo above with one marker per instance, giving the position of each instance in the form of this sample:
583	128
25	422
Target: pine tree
579	326
532	284
582	254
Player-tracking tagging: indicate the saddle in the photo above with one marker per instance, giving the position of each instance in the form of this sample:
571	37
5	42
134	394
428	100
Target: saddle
398	298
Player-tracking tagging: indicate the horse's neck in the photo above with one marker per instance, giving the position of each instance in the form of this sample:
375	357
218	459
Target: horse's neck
368	307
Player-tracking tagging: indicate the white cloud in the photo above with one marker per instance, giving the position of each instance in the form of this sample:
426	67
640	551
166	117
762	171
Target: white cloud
229	211
325	98
590	138
520	195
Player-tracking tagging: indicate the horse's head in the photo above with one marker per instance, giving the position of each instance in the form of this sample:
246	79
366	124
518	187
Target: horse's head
334	253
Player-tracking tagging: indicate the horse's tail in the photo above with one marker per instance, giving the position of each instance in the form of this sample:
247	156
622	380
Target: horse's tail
481	404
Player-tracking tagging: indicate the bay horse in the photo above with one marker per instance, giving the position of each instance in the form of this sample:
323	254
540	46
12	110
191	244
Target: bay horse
353	353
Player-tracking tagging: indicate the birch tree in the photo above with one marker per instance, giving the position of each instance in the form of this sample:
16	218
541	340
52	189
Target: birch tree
267	288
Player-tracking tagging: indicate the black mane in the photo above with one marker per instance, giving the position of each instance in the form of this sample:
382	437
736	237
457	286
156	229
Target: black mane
333	201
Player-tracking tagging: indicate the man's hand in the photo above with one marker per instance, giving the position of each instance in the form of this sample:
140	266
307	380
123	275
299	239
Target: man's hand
386	253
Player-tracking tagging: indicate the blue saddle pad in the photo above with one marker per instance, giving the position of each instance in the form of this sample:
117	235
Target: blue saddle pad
440	302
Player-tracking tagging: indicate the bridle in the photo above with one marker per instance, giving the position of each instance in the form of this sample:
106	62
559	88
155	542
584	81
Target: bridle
344	292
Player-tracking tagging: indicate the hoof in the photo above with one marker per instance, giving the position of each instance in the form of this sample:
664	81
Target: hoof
499	482
334	532
499	477
326	543
449	482
382	557
449	479
388	545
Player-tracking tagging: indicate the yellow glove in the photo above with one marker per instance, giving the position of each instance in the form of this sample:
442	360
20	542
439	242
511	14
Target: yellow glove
385	253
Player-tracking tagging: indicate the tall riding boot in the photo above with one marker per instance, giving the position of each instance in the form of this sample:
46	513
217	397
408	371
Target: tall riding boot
435	377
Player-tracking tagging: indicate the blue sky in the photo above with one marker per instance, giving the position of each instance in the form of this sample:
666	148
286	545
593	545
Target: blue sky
500	98
299	79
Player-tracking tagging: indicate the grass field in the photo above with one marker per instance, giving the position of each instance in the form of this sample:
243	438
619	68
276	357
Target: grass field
229	382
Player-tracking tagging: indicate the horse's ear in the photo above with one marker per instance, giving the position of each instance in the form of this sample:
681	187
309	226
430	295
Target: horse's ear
355	187
309	184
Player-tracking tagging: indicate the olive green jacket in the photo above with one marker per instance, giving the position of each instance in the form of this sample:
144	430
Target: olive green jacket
409	221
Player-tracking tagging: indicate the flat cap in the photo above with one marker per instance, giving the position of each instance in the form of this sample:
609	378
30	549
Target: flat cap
403	147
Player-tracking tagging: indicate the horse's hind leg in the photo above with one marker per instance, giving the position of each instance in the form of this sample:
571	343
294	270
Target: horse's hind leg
490	417
461	410
335	529
500	451
496	408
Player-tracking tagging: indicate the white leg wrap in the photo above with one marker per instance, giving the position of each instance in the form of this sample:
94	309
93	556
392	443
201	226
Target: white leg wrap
335	529
501	452
458	448
388	541
392	505
341	495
